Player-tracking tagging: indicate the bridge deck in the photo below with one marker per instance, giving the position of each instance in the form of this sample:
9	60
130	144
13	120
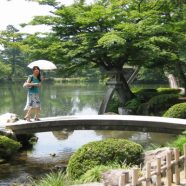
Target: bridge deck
101	122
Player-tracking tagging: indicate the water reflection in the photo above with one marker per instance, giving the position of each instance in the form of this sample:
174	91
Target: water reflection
56	99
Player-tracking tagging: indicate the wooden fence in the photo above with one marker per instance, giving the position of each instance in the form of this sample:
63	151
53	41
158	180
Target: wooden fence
171	170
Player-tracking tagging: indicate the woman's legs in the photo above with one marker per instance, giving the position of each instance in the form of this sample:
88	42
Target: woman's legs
37	113
28	114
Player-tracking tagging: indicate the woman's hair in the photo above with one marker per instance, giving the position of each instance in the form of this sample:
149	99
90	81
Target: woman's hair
39	75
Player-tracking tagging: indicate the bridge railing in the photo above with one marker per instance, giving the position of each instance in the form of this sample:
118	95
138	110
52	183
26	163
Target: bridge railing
168	173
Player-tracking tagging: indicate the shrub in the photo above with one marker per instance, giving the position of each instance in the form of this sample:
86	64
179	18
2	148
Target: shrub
133	105
160	103
53	179
168	91
8	147
179	142
103	152
114	104
176	111
146	94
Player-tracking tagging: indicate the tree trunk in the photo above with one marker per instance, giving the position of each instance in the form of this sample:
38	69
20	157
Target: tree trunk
118	84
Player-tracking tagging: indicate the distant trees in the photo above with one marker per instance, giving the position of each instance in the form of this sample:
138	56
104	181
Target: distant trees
11	53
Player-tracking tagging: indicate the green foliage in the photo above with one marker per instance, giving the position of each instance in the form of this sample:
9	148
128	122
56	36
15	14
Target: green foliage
158	104
5	70
103	152
12	53
145	94
114	104
8	147
53	179
176	111
133	105
179	142
168	90
94	174
151	75
112	33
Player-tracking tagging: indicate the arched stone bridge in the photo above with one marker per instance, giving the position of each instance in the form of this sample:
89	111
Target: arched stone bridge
101	122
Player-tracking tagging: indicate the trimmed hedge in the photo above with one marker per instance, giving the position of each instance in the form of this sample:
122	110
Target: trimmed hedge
176	111
8	147
103	152
169	90
158	104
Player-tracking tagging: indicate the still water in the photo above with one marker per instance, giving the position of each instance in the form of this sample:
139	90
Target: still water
54	148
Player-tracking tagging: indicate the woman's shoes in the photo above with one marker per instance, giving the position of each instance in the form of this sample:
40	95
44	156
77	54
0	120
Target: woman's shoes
27	119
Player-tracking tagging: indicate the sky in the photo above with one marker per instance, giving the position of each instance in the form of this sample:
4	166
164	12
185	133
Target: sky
15	12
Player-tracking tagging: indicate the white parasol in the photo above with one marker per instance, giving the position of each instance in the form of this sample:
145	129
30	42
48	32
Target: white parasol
43	65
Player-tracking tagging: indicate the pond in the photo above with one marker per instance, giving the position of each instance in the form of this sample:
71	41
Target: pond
53	149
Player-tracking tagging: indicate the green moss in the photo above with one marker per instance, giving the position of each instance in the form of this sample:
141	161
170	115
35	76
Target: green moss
103	152
8	147
176	111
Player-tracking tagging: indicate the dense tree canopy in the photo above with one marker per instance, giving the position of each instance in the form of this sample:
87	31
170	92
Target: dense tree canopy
113	33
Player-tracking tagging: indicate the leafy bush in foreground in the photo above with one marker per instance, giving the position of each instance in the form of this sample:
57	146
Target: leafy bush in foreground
176	111
103	152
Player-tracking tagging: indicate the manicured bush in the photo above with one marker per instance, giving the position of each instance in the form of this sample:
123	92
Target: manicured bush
176	111
158	104
103	152
145	94
168	91
8	147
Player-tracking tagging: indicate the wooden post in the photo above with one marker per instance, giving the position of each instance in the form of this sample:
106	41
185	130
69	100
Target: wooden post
124	178
184	147
177	171
148	173
134	177
168	171
158	170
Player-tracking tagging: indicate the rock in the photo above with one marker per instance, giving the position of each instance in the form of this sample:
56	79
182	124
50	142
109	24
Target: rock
112	176
23	179
8	118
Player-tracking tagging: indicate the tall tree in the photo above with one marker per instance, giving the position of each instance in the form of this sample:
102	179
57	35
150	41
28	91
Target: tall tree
113	33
